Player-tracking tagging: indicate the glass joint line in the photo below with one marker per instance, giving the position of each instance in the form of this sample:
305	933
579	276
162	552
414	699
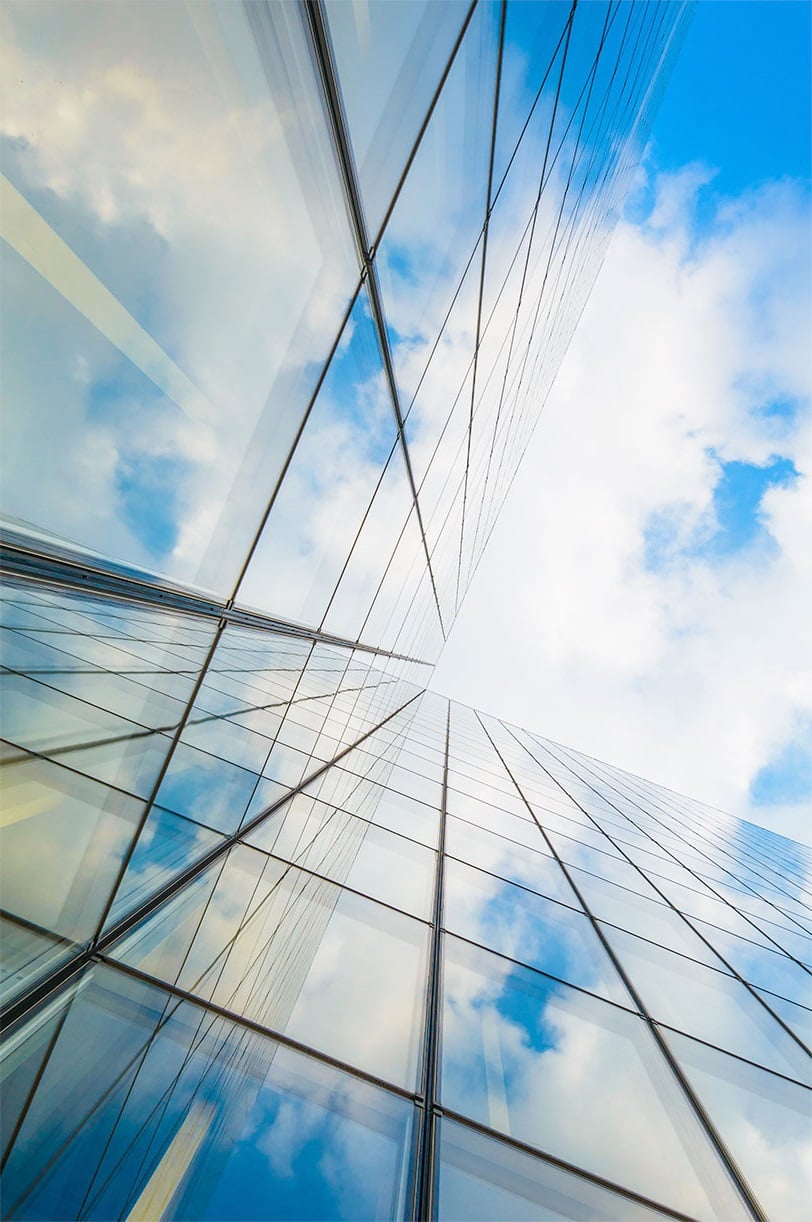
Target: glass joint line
537	1152
423	126
515	321
73	571
706	883
482	268
295	442
332	95
726	1158
683	916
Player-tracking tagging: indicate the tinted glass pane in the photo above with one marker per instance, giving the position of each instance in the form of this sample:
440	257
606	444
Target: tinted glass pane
708	1004
484	1179
577	1077
389	60
63	840
511	861
383	865
535	931
188	1116
177	229
763	1119
297	954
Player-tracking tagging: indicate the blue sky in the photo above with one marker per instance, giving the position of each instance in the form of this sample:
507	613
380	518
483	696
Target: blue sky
739	102
739	96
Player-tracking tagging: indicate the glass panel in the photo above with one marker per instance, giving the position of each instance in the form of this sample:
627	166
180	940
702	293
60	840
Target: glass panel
708	1004
297	954
766	968
506	818
510	861
640	915
407	817
205	789
482	1179
97	685
763	1120
390	58
27	954
431	240
533	34
535	931
175	223
167	845
189	1116
383	865
63	839
798	1018
577	1077
347	449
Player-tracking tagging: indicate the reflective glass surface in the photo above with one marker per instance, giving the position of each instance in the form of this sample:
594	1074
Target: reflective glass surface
578	1078
485	1179
520	924
297	954
708	1004
291	284
191	1116
174	224
763	1119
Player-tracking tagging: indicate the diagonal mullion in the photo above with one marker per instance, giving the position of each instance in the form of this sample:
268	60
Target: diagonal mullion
366	253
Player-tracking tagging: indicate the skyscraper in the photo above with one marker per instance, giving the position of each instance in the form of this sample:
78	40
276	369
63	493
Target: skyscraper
285	935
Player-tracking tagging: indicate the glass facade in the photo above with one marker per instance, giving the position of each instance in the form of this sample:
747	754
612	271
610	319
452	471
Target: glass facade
285	934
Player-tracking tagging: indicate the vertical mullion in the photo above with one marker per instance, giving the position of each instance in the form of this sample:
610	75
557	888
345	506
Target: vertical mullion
423	1192
482	271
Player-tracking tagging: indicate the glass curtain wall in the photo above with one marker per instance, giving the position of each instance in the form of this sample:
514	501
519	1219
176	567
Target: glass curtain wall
283	935
462	973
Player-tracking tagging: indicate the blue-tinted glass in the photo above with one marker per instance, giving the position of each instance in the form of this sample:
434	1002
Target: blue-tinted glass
189	1116
517	922
576	1077
482	1179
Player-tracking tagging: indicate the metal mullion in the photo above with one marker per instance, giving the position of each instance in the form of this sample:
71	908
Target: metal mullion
128	855
532	223
80	574
682	820
516	395
586	88
424	1176
725	1157
481	294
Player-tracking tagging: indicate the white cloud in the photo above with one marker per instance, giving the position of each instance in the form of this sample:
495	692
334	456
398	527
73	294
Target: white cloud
695	673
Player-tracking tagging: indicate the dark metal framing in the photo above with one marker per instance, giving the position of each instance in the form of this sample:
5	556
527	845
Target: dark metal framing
424	1178
66	570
